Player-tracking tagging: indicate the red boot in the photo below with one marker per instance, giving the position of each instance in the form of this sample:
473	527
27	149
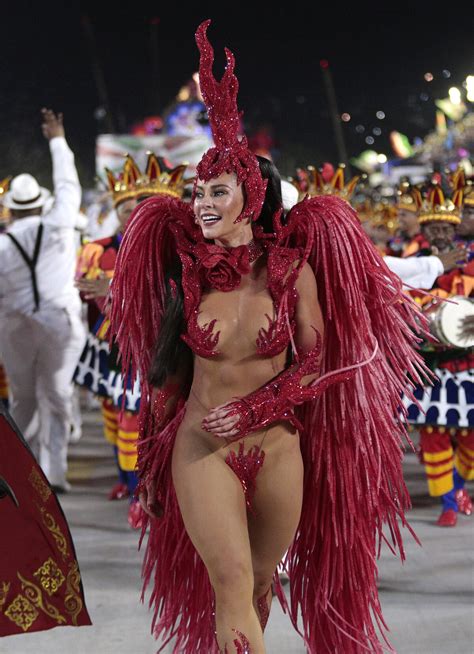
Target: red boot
464	501
135	515
447	518
118	492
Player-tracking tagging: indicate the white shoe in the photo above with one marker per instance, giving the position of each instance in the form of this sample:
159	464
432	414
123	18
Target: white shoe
60	489
75	433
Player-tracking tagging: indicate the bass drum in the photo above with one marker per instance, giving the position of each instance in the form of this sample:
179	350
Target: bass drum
446	320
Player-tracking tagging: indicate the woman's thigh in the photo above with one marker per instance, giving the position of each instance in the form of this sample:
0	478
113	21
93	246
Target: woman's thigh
213	508
276	506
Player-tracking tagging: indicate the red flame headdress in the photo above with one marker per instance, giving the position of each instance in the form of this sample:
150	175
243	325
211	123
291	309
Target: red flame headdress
229	154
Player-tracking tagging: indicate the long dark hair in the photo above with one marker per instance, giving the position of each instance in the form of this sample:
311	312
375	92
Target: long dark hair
273	200
171	354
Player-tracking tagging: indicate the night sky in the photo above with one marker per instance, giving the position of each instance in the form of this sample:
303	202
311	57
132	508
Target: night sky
378	57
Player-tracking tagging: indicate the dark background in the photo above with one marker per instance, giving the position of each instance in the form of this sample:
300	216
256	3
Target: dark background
378	55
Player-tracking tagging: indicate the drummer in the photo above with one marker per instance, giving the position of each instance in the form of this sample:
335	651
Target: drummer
448	406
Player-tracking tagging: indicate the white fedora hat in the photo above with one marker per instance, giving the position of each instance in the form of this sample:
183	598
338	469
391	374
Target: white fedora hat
25	193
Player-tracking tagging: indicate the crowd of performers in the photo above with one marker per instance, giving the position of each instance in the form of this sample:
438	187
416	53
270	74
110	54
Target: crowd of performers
98	369
425	236
426	222
420	221
436	219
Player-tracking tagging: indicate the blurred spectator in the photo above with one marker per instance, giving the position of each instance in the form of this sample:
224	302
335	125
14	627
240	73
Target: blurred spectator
41	334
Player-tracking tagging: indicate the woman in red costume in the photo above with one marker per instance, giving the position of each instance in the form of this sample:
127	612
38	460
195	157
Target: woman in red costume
270	418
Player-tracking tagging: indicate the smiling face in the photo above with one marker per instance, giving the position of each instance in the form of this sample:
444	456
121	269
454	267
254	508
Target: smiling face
217	205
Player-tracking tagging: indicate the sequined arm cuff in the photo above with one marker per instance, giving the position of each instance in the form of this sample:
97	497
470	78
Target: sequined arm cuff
277	399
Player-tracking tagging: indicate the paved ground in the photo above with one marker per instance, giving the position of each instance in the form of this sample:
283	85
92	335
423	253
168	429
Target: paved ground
428	602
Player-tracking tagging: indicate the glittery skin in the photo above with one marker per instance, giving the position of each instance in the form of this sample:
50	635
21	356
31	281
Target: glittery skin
246	466
263	609
229	153
241	644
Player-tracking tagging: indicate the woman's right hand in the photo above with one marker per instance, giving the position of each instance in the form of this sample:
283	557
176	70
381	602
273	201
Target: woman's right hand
148	501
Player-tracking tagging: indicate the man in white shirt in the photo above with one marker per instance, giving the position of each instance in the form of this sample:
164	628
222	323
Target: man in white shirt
41	334
421	272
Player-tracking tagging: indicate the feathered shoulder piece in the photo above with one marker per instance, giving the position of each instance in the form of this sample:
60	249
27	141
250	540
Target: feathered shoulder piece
155	232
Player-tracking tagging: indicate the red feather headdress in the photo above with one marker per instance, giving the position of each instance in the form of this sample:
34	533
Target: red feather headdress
229	154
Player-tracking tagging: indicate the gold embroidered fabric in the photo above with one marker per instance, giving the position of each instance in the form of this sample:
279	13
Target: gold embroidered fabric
34	594
73	603
50	576
39	484
24	609
50	524
4	588
22	612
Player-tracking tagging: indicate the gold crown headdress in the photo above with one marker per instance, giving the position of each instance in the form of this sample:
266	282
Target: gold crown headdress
385	214
364	208
311	181
409	197
4	186
437	207
459	185
377	213
468	194
157	179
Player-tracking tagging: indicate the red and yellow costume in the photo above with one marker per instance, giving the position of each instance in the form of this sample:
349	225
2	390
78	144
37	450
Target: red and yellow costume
98	369
448	406
311	182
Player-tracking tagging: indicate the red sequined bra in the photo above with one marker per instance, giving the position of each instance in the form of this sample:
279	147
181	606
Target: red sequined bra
211	266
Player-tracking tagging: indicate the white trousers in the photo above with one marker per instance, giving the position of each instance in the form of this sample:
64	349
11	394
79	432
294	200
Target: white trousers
40	353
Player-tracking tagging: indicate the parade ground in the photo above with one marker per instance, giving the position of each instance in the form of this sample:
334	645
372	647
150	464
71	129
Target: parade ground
427	601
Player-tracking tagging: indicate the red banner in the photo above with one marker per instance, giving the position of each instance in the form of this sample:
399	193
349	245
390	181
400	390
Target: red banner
40	582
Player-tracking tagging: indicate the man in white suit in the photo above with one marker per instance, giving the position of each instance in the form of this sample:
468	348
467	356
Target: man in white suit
41	334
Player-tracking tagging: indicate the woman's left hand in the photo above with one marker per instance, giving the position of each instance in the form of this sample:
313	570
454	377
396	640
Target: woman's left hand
221	421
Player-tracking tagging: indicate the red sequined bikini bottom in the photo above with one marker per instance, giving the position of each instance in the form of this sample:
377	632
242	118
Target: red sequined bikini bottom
246	466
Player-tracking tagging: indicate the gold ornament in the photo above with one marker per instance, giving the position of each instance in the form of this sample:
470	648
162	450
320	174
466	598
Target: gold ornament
156	180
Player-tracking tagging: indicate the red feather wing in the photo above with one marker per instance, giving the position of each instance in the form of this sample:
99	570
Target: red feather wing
138	290
352	438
